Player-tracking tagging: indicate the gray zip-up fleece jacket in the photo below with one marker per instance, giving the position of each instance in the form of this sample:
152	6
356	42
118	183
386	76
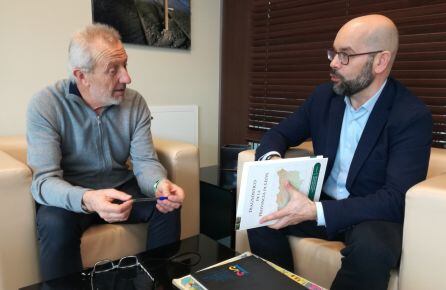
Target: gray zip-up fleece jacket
71	149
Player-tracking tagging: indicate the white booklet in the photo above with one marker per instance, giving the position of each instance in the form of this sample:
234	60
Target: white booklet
262	187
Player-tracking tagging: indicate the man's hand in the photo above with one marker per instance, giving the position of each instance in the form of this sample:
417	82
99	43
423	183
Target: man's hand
299	208
174	193
101	201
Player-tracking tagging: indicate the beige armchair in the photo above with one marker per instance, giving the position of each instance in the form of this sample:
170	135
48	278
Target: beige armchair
18	243
424	238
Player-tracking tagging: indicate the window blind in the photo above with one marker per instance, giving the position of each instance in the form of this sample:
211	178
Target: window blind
289	39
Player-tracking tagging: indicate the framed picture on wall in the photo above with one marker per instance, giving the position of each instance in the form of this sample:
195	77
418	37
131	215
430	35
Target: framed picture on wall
161	23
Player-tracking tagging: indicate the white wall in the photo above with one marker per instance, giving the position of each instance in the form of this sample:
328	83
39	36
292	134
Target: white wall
34	36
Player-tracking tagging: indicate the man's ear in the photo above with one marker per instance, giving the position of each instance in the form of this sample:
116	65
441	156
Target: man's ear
80	76
382	61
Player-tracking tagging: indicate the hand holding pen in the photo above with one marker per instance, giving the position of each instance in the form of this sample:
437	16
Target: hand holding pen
110	204
169	196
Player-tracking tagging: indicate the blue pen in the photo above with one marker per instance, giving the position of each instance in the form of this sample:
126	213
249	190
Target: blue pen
143	199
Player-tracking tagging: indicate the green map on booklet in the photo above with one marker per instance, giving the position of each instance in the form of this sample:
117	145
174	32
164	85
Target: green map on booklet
247	273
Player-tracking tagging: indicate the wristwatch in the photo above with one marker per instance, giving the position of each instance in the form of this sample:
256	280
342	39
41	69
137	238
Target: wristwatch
155	185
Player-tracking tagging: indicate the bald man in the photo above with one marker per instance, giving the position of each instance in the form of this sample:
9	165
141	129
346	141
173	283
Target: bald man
377	137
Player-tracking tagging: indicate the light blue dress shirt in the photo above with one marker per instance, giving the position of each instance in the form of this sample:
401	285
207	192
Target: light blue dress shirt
353	125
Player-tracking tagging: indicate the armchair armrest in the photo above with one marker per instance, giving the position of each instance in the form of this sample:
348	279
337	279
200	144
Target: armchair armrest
18	245
424	237
182	164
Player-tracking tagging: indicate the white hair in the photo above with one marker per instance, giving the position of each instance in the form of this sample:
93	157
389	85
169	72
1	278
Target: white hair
80	50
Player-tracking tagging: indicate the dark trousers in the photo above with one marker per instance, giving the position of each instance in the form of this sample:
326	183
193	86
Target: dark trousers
372	249
60	232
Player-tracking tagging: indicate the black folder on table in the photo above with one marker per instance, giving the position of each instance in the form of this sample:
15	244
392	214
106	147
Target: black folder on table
247	273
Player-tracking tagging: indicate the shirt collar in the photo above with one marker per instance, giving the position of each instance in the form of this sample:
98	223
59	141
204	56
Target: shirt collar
368	106
73	89
75	95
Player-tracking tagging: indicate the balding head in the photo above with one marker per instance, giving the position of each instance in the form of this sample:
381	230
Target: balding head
371	33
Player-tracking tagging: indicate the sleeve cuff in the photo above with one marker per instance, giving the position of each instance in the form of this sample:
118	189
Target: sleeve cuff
271	153
320	214
75	199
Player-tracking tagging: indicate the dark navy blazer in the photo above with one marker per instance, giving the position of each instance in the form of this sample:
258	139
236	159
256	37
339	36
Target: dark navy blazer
392	154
